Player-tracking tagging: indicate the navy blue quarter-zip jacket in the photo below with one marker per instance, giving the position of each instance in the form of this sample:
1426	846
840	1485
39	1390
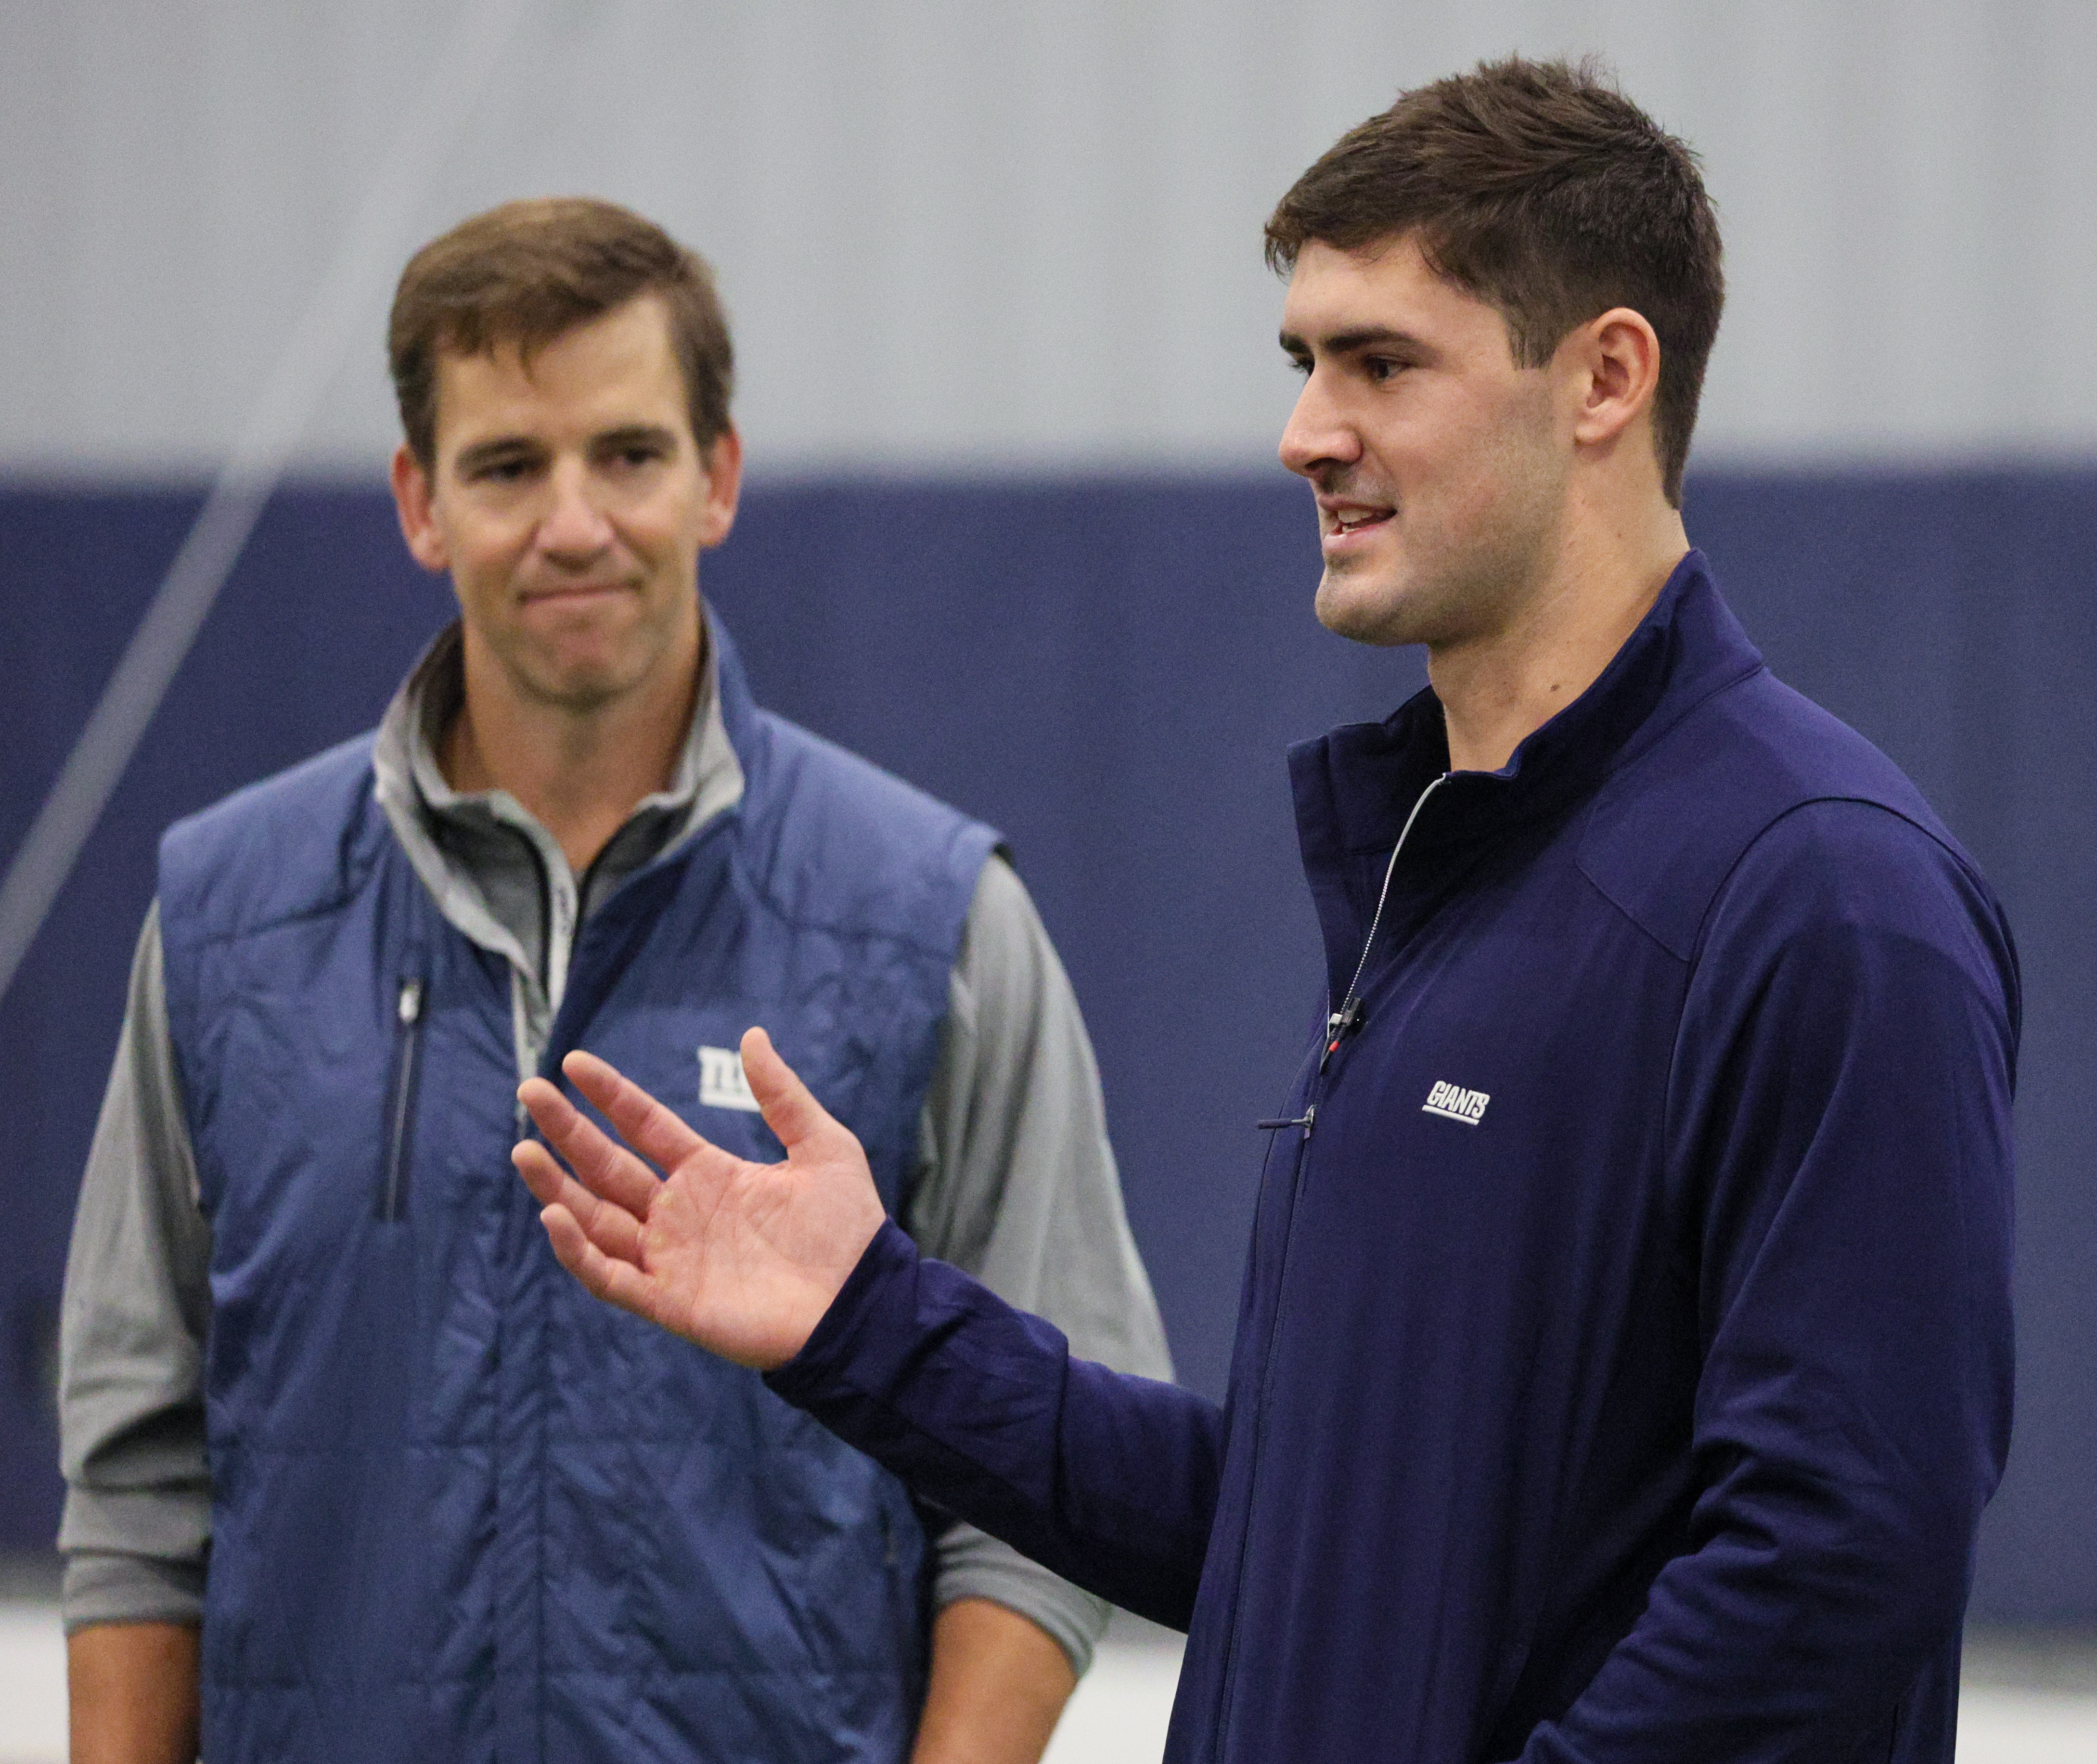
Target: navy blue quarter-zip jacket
1624	1357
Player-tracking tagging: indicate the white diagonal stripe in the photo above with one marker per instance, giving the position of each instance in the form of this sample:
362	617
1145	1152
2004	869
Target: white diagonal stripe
340	307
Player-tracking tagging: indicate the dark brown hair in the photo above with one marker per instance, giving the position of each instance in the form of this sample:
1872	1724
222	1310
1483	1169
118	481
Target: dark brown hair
1537	187
526	272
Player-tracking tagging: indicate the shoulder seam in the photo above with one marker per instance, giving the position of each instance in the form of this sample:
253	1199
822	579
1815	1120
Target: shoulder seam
1627	915
1776	820
1718	889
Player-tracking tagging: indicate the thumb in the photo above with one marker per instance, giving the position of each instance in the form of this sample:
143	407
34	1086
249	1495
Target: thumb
790	1109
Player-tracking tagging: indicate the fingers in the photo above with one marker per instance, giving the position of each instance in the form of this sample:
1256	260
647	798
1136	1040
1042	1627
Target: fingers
643	1122
541	1172
791	1108
605	1168
608	1225
616	1282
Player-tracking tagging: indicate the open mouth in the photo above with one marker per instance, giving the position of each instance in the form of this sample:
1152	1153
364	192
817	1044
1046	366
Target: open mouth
1353	520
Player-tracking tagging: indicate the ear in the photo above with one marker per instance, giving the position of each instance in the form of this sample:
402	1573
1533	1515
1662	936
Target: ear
722	462
419	521
1616	359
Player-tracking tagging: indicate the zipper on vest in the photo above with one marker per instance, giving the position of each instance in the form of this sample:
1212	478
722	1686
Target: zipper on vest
400	1096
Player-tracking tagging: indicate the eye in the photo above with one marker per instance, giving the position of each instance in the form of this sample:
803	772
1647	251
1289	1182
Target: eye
635	454
1379	368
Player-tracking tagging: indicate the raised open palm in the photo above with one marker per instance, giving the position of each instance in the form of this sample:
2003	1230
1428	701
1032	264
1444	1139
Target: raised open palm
741	1258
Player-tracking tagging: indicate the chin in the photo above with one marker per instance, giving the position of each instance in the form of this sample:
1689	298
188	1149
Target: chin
1377	613
576	684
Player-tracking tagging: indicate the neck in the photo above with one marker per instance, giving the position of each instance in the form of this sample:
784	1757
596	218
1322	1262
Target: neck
1500	686
580	772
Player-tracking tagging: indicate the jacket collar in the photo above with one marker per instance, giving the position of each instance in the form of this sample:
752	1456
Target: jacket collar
1354	787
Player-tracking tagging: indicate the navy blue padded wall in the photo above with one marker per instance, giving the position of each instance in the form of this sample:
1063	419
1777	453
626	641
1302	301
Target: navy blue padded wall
1108	671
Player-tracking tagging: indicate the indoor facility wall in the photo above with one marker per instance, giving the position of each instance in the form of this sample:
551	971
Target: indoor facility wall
1109	671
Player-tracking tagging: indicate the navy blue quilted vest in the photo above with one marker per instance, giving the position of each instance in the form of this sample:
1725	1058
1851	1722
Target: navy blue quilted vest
461	1510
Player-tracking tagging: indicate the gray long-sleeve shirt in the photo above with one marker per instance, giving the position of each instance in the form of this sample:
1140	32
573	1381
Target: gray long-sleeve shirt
1016	1184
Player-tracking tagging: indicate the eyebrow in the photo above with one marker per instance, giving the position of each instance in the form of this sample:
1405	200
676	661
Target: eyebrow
1347	342
656	434
488	453
498	448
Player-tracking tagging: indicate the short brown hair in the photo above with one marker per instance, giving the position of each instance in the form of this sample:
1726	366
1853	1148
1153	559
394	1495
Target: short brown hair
527	272
1539	187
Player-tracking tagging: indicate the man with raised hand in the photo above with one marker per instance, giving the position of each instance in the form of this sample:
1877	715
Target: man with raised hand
1624	1357
355	1471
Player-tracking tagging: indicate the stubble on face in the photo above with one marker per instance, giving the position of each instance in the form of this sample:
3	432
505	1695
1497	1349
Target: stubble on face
1463	555
579	660
573	510
1440	470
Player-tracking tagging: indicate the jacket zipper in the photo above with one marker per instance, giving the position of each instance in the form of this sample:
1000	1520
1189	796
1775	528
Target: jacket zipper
1344	1022
1339	1025
400	1099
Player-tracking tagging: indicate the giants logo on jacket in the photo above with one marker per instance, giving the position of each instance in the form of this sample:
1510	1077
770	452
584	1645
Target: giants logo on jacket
722	1083
1452	1102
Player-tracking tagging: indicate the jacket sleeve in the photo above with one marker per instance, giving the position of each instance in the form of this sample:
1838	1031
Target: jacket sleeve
1016	1187
1107	1478
132	1326
1838	1118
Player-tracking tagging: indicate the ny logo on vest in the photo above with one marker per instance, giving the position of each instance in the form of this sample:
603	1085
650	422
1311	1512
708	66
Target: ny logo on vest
722	1083
1452	1102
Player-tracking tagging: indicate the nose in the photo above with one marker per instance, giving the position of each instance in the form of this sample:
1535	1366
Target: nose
574	529
1317	436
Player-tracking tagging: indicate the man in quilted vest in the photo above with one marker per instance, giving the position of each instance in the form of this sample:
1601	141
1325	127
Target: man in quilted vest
353	1472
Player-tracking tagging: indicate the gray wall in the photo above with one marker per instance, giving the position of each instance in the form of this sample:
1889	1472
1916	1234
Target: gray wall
986	236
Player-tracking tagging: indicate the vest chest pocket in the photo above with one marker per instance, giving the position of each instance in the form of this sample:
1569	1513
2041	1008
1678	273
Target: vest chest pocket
404	1080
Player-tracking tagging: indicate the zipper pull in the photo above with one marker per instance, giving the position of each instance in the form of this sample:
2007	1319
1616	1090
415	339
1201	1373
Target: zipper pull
1302	1120
400	1101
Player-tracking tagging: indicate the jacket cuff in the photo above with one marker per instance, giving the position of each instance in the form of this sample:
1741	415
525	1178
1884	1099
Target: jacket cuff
884	1277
